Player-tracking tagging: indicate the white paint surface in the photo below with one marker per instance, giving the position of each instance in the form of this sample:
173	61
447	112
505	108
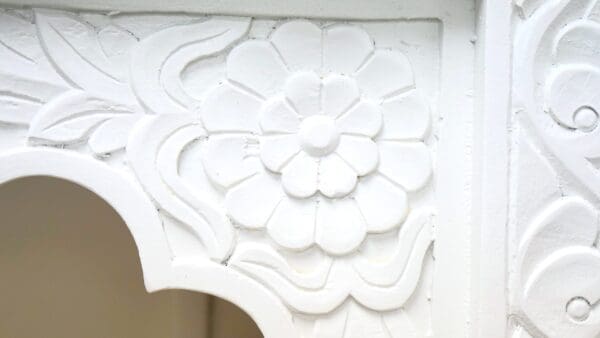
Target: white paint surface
371	169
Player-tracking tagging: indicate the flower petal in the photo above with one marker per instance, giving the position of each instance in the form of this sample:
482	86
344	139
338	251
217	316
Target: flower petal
339	93
383	204
384	73
405	117
256	65
361	153
364	118
227	108
293	223
345	48
226	160
407	164
299	177
277	150
252	202
299	43
303	89
336	177
340	226
277	116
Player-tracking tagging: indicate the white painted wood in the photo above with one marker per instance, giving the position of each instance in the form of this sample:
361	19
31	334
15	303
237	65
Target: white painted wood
371	169
553	241
491	199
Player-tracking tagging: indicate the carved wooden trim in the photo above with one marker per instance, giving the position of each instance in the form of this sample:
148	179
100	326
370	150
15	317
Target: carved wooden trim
553	242
317	172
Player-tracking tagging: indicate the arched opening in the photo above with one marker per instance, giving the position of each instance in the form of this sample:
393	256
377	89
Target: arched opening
70	268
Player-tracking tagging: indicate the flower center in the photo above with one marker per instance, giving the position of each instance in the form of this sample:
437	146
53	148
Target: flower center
319	135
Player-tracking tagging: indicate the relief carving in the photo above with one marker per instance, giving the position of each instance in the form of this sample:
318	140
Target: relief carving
556	83
559	270
282	148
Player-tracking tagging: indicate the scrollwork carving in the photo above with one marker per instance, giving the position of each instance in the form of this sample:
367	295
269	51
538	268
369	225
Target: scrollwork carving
556	75
556	84
559	271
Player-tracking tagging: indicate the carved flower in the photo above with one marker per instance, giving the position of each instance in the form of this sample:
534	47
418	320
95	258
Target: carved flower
317	136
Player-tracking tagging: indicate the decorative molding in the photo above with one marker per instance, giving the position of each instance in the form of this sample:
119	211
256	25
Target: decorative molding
297	159
555	85
557	93
559	270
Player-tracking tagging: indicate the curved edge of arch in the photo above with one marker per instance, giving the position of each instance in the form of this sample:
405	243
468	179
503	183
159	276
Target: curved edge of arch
160	270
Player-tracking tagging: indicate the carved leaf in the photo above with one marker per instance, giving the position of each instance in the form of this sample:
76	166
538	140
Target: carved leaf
168	52
396	295
263	256
18	108
562	294
75	50
154	151
562	48
26	79
571	218
416	232
19	38
371	286
303	291
117	45
20	51
72	117
558	260
113	134
558	265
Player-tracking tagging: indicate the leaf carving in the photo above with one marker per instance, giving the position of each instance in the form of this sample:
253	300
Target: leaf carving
117	44
266	257
18	37
154	151
75	115
415	234
113	134
376	286
17	108
27	81
558	253
170	51
74	49
20	51
556	56
300	290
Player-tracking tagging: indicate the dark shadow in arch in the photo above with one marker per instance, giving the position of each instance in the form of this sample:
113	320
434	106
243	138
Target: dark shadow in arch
69	268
